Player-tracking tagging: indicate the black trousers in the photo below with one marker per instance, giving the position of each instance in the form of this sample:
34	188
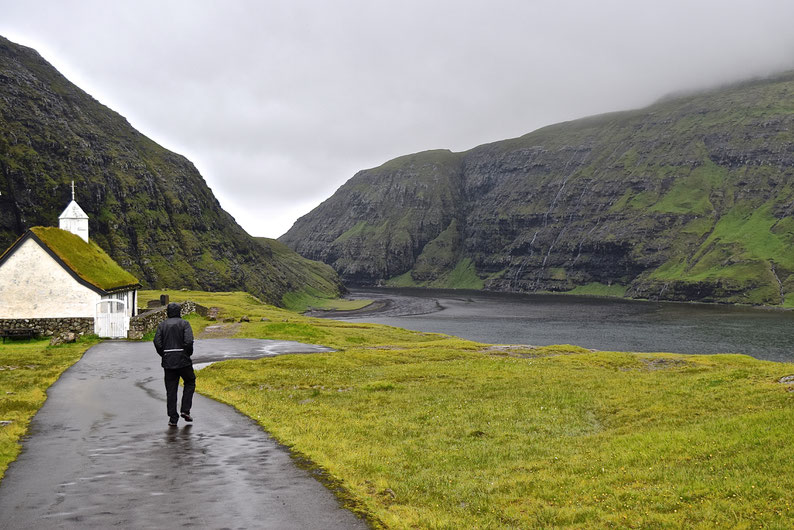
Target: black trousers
172	385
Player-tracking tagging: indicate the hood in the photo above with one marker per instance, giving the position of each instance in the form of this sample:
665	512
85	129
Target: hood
173	310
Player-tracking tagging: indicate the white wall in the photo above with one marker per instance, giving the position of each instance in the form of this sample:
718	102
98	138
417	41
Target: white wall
76	226
34	285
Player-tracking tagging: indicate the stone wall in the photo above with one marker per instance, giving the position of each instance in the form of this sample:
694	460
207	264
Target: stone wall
147	321
48	327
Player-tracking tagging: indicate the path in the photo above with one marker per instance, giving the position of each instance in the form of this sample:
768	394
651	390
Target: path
101	455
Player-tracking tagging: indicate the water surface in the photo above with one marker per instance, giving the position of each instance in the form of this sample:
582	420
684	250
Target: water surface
599	323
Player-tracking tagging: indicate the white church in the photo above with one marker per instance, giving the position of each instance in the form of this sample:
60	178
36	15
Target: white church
57	273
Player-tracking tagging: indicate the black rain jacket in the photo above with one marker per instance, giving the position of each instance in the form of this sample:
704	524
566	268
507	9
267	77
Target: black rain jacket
173	340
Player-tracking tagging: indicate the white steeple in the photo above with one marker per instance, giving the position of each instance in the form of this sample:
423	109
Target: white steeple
74	219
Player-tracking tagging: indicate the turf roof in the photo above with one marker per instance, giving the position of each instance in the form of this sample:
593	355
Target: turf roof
87	260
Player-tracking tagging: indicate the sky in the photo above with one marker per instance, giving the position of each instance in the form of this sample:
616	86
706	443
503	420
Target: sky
278	103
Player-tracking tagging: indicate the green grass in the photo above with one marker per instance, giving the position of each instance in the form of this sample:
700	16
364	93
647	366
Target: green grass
308	298
231	304
462	276
87	260
238	304
428	431
599	289
27	369
403	280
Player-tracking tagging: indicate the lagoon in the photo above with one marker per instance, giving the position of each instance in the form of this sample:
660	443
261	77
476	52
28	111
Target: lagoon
591	322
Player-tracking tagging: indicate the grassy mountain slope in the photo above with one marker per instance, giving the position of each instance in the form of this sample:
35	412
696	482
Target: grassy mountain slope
688	199
149	208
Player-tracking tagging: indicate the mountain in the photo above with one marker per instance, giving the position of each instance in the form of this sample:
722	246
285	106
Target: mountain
688	199
149	208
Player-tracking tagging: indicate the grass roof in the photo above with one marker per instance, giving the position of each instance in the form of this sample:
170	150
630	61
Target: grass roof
87	260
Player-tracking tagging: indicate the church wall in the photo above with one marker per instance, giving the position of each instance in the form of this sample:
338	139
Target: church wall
34	285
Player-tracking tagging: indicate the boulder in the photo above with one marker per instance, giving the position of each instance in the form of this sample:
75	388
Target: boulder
63	338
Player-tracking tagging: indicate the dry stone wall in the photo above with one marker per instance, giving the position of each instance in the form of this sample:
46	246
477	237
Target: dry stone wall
47	327
147	321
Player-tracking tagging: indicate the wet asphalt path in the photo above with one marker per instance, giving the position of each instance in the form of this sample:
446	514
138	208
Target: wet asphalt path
100	455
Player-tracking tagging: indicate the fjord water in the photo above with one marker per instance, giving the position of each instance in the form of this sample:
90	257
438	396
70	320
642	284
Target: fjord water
599	323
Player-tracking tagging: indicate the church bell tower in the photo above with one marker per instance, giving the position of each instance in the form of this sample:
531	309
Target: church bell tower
74	219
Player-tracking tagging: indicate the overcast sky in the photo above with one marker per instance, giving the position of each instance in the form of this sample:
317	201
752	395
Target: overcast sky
278	103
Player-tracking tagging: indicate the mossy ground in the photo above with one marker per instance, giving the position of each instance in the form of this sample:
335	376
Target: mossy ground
87	260
599	289
305	300
462	276
27	369
425	430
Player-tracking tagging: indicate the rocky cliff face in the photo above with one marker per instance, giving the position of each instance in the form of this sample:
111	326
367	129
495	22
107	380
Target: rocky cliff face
688	199
149	208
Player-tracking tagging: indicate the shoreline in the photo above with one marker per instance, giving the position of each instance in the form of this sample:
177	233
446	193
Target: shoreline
384	304
402	301
601	323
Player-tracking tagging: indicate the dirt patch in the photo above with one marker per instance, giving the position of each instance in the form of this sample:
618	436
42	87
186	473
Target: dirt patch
528	351
220	331
662	363
512	350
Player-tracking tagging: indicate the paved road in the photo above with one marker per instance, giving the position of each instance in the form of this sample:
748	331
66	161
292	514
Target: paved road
100	455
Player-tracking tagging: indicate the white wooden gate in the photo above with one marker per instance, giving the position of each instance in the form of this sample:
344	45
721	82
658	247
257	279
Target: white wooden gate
109	323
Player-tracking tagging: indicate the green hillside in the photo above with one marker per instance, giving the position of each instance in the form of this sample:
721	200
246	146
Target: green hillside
149	208
688	199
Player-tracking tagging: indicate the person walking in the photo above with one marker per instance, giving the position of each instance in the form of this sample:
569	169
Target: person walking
173	341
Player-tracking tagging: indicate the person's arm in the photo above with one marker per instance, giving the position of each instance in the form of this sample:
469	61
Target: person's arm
158	340
187	338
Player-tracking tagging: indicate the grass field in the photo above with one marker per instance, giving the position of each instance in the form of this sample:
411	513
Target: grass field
428	431
27	369
421	430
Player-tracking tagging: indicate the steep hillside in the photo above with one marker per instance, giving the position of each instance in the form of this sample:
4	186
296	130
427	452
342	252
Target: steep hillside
149	208
688	199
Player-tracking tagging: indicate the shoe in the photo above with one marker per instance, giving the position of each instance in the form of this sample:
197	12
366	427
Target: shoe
172	423
187	416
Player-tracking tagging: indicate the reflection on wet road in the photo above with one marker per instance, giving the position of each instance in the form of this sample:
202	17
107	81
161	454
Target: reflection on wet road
101	455
208	351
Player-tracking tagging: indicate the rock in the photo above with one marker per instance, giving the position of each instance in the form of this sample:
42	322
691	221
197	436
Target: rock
228	319
3	423
212	319
245	319
63	338
389	493
264	319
